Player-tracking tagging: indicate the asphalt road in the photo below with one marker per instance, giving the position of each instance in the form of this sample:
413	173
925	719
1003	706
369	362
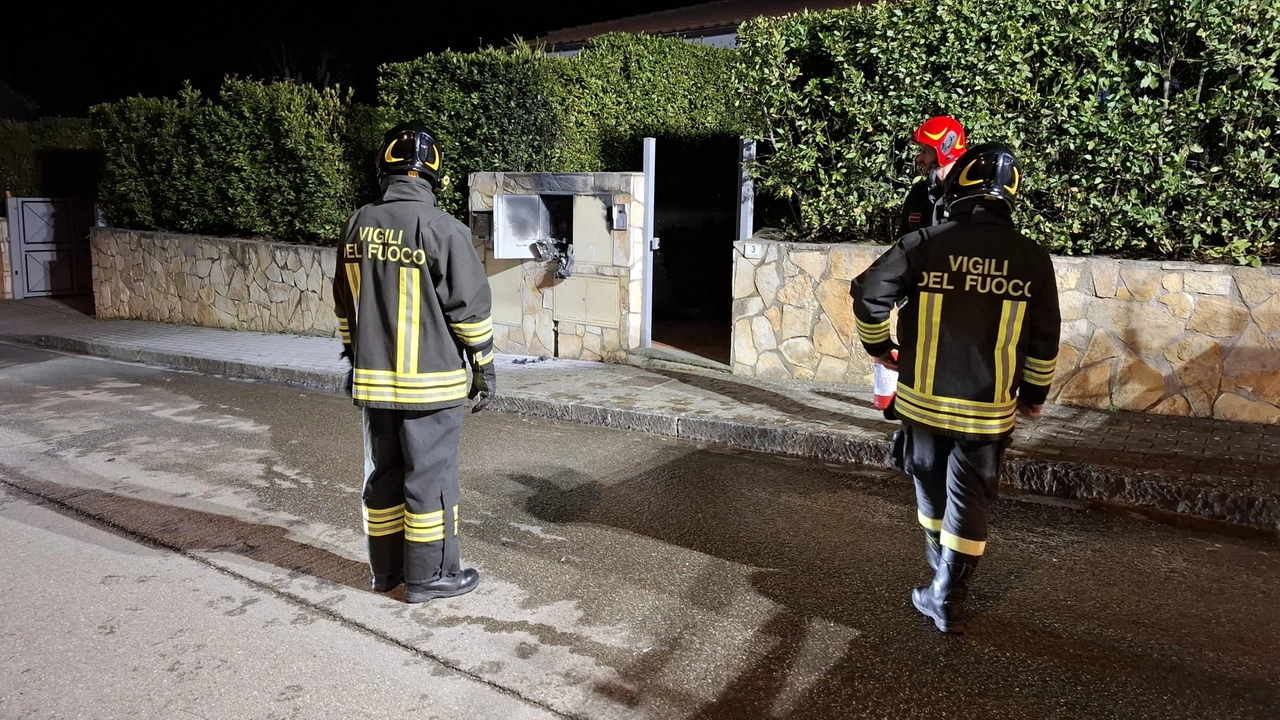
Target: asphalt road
179	545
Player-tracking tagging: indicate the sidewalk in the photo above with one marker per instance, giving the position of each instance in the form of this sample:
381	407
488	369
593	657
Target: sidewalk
1192	466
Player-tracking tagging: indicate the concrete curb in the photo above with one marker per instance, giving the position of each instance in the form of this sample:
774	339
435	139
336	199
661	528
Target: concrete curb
1210	498
1222	500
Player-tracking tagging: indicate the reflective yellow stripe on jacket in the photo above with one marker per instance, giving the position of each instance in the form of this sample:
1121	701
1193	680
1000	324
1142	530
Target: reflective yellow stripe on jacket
1039	372
930	332
409	388
957	415
474	334
353	282
408	320
1006	358
872	333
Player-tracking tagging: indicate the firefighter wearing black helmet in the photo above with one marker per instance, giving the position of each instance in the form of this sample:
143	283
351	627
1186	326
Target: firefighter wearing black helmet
978	345
413	307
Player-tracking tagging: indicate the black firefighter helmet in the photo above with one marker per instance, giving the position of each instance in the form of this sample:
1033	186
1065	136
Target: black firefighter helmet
986	172
410	149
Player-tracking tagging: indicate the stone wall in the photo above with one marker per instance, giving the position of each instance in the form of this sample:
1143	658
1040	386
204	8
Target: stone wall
213	282
525	291
1171	338
6	269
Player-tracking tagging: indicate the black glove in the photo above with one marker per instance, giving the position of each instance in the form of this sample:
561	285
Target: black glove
346	353
484	384
898	452
891	413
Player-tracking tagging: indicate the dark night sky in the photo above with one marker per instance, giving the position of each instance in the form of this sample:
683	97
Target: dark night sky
66	59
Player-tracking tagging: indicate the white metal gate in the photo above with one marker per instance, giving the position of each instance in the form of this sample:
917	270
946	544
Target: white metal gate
49	246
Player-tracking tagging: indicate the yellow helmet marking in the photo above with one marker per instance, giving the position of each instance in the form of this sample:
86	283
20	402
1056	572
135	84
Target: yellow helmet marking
1017	179
387	155
964	176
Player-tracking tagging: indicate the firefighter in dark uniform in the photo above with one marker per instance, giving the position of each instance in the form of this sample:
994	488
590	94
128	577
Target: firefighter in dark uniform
413	307
941	142
979	343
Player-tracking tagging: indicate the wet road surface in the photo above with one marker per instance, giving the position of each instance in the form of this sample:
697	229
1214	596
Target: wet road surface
627	575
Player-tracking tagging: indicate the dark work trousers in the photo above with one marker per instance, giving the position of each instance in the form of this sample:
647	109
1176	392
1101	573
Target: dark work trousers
411	493
956	480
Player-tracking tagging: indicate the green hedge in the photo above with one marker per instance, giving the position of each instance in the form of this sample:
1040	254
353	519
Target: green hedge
50	157
525	110
622	88
490	110
289	161
1147	128
262	160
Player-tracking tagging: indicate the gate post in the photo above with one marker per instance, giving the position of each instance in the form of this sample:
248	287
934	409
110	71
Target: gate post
12	250
746	191
646	284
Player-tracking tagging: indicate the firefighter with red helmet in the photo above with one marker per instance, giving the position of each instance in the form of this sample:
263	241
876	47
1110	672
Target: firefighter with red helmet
941	142
413	306
979	344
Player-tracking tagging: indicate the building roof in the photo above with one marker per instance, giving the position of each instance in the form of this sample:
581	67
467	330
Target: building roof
724	15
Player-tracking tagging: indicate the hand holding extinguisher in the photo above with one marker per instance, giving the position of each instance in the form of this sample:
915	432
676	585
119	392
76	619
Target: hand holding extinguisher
885	381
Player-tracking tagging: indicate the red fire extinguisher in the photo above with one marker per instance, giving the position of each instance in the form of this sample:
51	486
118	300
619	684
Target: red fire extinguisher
884	383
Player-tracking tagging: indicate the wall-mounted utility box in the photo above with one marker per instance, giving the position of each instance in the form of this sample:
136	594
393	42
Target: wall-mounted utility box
518	222
586	220
592	239
588	299
564	253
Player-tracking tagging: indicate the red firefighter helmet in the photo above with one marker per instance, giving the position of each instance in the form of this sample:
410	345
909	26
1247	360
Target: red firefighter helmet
945	135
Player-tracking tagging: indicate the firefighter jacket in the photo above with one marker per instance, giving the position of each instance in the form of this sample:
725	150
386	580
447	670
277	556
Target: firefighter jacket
979	328
412	301
922	207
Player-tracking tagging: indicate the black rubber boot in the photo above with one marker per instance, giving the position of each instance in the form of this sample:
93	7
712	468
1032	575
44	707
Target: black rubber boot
382	583
453	585
943	601
933	548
